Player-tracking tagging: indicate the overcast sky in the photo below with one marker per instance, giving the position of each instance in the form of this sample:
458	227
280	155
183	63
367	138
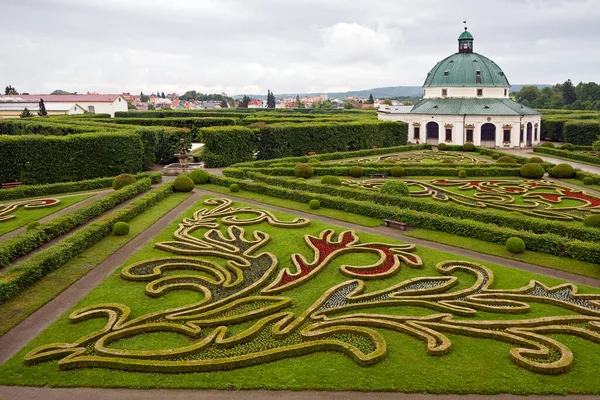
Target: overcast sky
245	46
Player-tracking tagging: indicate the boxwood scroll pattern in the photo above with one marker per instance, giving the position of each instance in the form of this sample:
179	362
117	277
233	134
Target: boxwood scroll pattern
540	198
7	208
247	288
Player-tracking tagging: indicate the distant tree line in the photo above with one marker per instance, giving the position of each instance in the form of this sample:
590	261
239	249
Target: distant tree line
193	95
584	96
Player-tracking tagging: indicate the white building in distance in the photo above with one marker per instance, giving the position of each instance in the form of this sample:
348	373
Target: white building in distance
92	103
466	99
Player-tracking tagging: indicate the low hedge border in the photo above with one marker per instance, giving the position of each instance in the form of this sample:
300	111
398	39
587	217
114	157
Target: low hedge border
549	243
24	274
568	154
22	244
67	187
520	222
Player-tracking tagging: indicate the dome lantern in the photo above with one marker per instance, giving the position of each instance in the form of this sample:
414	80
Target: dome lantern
465	42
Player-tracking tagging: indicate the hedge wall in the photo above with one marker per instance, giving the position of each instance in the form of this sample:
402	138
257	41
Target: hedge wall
553	128
67	187
24	274
39	159
193	124
27	241
582	133
36	126
284	140
227	145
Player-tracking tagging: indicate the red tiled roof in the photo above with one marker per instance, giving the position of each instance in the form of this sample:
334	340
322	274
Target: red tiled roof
69	98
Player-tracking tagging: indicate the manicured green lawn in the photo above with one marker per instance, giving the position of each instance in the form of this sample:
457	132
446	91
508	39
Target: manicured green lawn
24	216
473	365
579	182
480	246
296	205
15	310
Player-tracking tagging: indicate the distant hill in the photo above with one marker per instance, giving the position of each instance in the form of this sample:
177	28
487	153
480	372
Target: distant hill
378	93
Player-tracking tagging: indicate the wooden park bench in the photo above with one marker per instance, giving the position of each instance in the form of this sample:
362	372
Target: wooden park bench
11	185
395	224
374	147
311	153
377	176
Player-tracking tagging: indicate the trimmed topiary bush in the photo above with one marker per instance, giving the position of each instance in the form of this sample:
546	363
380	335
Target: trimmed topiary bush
588	180
389	161
532	170
397	171
562	171
32	225
183	183
495	156
234	187
331	180
547	144
447	161
592	220
355	171
515	245
469	147
314	204
462	173
567	146
397	188
506	160
303	171
442	146
199	176
120	228
314	161
122	180
535	160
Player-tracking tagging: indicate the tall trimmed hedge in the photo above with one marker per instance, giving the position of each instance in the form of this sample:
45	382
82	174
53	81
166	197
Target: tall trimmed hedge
285	140
34	159
582	133
224	146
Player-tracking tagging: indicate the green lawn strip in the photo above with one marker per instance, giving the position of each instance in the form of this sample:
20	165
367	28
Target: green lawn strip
24	216
540	154
480	246
579	183
15	310
474	365
296	205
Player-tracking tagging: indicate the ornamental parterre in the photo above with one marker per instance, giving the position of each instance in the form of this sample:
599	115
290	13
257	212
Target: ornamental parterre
246	285
7	208
539	198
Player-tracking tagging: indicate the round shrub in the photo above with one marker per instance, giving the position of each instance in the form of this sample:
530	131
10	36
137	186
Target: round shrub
495	156
515	245
396	188
592	220
303	171
567	146
314	161
183	183
442	146
234	187
397	171
199	176
389	161
532	170
506	160
468	147
355	171
562	171
32	225
122	181
547	144
588	180
314	204
331	180
535	160
462	173
121	228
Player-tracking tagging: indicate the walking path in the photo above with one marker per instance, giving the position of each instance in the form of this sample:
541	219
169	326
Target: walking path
23	333
575	164
96	196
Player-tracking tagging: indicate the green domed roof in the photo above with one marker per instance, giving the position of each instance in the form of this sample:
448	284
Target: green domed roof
465	35
461	69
